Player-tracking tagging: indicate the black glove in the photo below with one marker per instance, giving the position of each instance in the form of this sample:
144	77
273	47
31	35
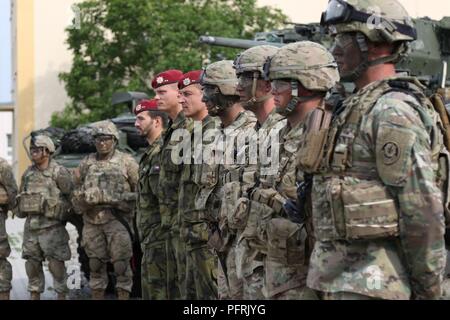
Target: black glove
291	209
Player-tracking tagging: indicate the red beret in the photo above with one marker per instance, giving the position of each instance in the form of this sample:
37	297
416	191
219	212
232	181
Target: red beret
146	105
189	78
166	77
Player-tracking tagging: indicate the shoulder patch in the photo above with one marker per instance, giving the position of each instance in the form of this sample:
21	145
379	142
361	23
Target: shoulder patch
393	154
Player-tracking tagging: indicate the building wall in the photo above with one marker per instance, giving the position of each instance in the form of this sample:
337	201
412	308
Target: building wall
40	54
51	57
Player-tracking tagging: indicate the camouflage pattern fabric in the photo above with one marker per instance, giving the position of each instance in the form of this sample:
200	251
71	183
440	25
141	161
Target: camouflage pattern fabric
231	189
168	196
285	264
9	186
230	287
159	272
108	242
392	161
5	250
104	237
108	184
148	221
200	283
249	259
201	274
45	236
45	244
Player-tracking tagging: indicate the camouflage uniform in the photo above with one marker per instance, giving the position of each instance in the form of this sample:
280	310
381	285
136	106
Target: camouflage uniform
386	250
8	192
153	241
201	264
220	182
279	237
168	196
233	185
44	201
106	186
249	264
377	208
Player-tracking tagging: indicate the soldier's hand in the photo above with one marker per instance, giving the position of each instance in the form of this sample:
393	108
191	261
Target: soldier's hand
292	212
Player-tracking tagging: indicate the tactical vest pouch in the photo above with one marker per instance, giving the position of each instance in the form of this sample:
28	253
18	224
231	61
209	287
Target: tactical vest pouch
286	242
269	197
238	219
231	194
312	146
359	211
206	175
201	198
55	208
93	196
31	203
3	196
258	215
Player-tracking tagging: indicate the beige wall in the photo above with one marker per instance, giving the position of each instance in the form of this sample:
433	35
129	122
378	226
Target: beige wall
40	54
305	11
51	56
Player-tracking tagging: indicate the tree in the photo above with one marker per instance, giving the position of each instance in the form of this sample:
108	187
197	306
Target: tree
122	44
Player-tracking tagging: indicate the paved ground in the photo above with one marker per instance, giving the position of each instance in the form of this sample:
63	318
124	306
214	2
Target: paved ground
14	227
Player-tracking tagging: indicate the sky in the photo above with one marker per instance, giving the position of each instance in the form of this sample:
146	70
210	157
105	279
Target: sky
306	11
5	52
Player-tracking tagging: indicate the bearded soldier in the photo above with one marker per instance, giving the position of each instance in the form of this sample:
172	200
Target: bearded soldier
201	265
150	122
377	208
105	196
255	95
8	192
220	177
44	201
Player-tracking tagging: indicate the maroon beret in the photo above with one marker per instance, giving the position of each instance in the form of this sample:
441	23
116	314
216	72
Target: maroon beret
166	77
146	105
189	78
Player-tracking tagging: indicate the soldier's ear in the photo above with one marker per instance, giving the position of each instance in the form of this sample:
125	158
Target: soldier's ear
267	87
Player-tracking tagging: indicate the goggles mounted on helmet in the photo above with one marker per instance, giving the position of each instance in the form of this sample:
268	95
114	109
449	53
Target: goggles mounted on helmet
339	11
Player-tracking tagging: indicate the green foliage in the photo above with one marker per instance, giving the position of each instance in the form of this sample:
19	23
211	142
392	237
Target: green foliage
122	44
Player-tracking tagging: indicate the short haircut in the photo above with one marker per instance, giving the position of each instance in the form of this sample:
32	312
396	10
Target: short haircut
161	114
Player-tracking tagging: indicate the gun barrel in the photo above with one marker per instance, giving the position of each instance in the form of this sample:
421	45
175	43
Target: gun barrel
235	43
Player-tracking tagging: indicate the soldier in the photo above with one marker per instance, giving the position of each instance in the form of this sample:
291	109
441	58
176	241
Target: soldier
8	192
201	265
165	86
217	197
255	95
44	200
377	208
150	122
105	196
301	74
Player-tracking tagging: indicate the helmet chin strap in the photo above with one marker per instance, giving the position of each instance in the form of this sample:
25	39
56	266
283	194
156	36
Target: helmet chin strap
254	101
295	100
359	70
365	63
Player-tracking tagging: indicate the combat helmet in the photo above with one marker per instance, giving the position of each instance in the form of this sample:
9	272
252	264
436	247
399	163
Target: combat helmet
306	62
380	21
43	141
106	128
222	75
252	61
219	84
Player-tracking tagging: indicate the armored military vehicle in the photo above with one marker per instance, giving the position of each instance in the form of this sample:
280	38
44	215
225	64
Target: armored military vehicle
429	59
